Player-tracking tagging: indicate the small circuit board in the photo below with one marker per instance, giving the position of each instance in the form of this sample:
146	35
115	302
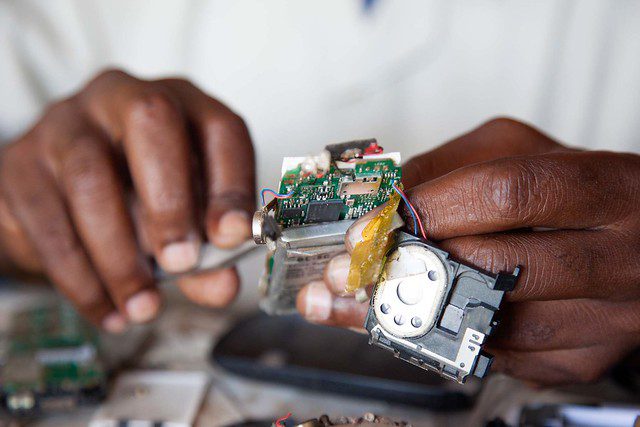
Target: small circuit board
318	198
344	182
49	362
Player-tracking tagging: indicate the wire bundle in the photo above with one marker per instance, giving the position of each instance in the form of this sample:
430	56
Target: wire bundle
275	194
414	214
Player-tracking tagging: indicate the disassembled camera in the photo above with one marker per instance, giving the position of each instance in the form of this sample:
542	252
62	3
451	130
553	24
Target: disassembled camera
429	310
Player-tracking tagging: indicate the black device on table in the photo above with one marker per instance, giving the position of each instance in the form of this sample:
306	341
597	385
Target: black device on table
289	350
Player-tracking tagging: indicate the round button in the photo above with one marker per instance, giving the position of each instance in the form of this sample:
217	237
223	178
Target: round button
410	291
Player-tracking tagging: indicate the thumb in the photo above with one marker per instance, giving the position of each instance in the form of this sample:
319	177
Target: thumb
354	233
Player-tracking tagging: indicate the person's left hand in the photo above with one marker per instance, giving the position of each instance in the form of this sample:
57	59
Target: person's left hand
506	195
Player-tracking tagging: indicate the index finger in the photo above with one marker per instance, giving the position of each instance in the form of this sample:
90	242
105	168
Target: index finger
228	165
497	138
564	190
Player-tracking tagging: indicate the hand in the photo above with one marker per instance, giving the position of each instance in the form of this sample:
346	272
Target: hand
123	169
506	195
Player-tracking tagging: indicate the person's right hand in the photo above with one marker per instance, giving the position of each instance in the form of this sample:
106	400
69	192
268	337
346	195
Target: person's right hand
123	169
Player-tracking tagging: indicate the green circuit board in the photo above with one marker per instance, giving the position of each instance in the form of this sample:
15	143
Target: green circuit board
50	361
341	193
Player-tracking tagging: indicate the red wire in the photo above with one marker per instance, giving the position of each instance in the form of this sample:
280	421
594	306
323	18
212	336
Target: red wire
415	212
424	235
281	419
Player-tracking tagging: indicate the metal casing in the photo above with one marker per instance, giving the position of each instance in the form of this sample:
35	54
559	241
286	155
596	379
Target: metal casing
299	257
452	345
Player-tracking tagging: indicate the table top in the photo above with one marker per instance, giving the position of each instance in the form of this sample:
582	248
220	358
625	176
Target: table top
182	338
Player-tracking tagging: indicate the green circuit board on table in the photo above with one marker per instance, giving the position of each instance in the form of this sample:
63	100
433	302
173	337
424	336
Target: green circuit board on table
340	193
50	361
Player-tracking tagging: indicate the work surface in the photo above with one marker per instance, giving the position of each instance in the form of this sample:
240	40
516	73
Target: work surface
182	338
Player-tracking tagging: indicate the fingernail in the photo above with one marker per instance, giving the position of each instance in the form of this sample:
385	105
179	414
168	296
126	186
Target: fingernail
317	306
114	323
179	256
143	306
338	272
354	235
212	288
233	228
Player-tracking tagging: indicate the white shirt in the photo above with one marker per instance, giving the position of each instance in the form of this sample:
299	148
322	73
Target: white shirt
308	72
304	73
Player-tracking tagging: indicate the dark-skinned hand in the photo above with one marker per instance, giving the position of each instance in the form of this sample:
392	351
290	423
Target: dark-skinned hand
124	169
505	195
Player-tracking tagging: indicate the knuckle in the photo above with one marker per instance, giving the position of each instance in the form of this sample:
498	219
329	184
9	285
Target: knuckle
85	167
504	123
513	130
220	125
58	112
507	189
107	74
516	134
153	107
58	239
485	252
177	81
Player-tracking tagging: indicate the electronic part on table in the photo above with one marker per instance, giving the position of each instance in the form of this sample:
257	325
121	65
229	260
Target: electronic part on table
50	362
318	198
153	398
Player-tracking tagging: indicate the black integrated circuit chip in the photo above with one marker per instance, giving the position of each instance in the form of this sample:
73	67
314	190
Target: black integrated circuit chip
292	213
324	210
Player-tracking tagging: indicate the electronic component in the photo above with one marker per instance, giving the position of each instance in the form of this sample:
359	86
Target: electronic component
345	182
324	210
435	312
294	213
368	185
299	256
50	362
153	398
317	199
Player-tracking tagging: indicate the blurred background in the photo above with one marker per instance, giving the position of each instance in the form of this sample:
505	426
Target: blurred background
413	74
